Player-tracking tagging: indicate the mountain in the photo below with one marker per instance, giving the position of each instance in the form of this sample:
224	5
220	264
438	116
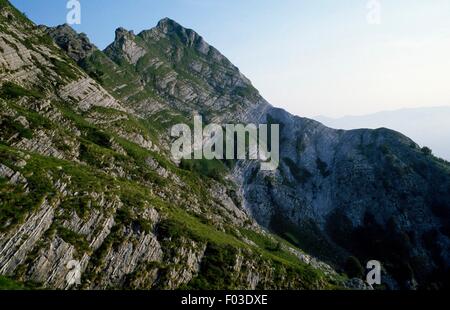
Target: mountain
427	126
85	150
371	194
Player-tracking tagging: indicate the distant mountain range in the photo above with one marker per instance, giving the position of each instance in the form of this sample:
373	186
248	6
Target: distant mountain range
426	126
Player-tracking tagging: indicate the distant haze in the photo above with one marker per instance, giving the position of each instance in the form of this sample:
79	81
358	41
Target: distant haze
426	126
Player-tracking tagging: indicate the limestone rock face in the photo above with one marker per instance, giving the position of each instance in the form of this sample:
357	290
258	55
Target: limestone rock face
357	284
187	261
17	244
42	143
125	45
87	93
77	45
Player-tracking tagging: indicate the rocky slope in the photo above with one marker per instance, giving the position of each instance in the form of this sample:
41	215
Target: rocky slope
87	187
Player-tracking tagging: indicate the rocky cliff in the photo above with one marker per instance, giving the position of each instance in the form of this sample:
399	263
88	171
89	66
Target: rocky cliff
346	196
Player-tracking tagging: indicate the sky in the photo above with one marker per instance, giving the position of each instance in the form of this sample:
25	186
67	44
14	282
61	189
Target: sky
310	57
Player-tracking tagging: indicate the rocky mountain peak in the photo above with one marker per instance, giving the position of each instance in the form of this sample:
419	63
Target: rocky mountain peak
123	34
168	25
77	45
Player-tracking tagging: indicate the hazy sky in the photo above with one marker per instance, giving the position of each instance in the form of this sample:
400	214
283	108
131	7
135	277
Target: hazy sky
310	57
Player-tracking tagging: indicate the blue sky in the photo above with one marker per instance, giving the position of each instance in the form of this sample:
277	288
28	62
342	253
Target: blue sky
316	57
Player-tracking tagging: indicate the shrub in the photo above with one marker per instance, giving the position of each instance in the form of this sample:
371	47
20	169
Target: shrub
99	137
9	284
170	229
215	270
10	127
427	151
214	169
77	240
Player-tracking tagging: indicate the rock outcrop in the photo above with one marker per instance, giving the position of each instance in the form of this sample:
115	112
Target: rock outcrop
76	45
369	193
336	192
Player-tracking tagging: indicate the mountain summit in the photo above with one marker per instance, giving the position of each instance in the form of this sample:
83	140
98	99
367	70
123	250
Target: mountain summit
86	180
76	45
